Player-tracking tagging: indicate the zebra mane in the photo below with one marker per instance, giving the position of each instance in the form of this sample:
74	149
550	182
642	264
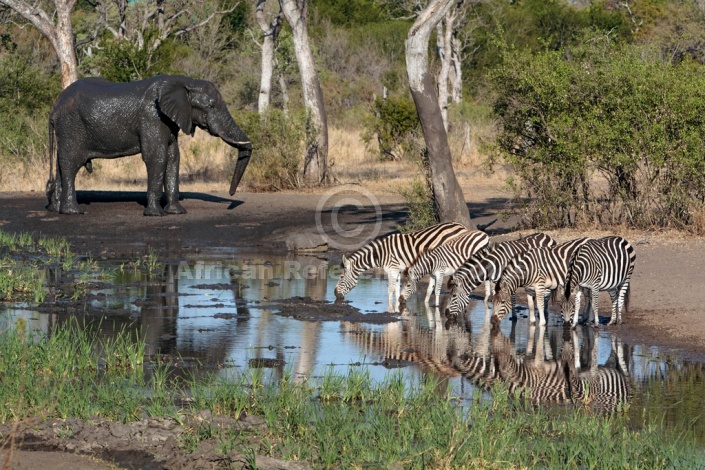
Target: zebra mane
415	261
569	274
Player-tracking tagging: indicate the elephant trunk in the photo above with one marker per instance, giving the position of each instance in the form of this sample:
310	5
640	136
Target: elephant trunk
243	159
234	136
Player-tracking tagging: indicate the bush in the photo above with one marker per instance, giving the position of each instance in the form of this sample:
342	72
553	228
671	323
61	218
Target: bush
603	135
26	95
395	124
278	151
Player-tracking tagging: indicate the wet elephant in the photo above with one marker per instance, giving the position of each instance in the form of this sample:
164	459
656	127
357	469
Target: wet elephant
96	118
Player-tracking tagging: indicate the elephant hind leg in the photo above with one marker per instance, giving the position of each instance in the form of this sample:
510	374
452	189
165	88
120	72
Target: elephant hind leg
68	167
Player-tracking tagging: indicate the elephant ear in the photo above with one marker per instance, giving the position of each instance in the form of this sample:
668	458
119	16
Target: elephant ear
174	104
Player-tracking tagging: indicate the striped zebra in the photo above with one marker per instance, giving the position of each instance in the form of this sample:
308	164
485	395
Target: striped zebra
603	264
441	261
487	267
410	343
602	388
542	269
393	253
537	378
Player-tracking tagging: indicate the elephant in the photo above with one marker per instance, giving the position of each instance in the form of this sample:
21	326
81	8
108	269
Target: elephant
96	118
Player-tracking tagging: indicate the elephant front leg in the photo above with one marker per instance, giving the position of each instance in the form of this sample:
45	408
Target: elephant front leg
171	181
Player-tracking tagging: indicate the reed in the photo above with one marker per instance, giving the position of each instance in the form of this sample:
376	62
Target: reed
334	421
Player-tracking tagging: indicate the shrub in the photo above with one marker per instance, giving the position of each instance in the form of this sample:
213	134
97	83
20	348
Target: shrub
395	124
604	135
278	150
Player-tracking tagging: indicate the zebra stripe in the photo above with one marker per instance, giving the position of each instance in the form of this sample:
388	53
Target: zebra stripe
539	379
441	261
393	253
543	269
603	388
487	266
603	264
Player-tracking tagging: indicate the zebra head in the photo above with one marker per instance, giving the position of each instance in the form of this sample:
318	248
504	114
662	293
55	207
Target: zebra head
348	278
459	295
408	281
502	303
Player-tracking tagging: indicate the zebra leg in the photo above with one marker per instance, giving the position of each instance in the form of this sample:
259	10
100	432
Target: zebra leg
489	290
431	287
576	308
595	294
530	340
392	289
620	301
532	307
439	285
514	307
614	297
539	292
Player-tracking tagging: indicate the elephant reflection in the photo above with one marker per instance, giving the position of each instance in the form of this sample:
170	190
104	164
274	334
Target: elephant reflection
95	118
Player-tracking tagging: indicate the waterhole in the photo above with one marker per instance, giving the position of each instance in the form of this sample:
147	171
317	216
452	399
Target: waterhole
225	311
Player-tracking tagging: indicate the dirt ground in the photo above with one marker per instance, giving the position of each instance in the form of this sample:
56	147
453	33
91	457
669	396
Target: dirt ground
667	298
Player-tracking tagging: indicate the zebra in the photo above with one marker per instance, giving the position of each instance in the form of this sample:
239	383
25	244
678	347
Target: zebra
537	378
393	252
543	269
603	264
441	261
603	388
487	266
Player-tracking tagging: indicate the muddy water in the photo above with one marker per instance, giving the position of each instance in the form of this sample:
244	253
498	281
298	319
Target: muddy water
219	311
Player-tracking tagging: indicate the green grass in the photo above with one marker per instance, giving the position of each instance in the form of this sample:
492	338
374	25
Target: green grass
340	420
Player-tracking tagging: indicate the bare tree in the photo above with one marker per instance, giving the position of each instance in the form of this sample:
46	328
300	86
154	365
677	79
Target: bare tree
56	27
448	196
148	23
316	160
270	31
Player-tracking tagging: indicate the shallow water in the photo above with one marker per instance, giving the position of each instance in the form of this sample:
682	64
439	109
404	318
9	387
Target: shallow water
196	315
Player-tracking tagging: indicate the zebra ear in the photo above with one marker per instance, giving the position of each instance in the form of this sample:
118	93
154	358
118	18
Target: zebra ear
451	283
342	261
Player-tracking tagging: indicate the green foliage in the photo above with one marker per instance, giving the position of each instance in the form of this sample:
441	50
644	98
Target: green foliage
604	135
533	26
345	12
421	206
278	153
394	124
26	95
124	61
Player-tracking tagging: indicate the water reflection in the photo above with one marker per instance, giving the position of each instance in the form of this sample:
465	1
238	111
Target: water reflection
196	314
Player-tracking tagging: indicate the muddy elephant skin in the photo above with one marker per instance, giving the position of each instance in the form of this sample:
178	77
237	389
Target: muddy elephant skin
96	118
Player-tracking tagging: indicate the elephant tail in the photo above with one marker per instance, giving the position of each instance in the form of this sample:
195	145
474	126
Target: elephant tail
51	189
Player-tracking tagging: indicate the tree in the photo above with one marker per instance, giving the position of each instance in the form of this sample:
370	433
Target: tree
316	160
270	32
447	194
58	31
140	30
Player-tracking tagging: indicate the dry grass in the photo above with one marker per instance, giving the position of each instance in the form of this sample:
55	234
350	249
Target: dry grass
206	162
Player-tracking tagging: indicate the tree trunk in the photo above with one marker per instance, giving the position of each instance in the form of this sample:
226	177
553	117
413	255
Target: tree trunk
456	72
270	31
448	196
59	34
316	161
444	30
